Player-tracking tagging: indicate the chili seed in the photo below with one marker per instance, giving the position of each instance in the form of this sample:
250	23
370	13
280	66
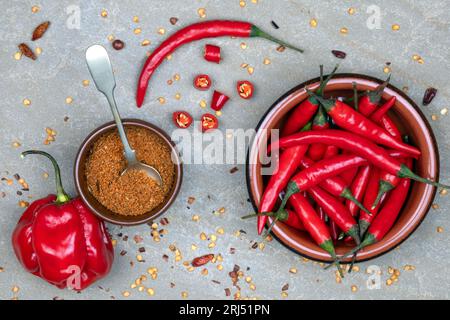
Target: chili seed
440	229
395	27
339	54
69	100
150	292
284	294
85	83
137	30
293	270
242	4
35	9
26	102
161	31
444	111
118	44
145	42
201	12
351	11
110	37
354	288
386	69
443	192
266	61
173	21
313	23
38	50
274	24
104	13
343	30
429	95
281	48
162	100
136	19
18	55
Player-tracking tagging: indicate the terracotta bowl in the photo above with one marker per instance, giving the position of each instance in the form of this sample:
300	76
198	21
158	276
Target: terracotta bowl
409	119
97	207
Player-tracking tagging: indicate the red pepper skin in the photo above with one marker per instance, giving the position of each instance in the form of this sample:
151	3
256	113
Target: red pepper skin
287	165
202	82
346	117
317	151
212	53
245	89
336	211
349	175
194	32
369	198
358	188
294	221
218	100
334	231
389	125
381	111
331	151
62	241
301	115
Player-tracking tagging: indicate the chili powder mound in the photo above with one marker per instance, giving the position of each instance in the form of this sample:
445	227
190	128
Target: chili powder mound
134	192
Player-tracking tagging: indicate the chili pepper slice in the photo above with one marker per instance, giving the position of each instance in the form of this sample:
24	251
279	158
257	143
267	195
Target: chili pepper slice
245	89
346	117
320	122
193	32
336	211
358	188
218	100
209	122
212	53
202	82
360	146
182	119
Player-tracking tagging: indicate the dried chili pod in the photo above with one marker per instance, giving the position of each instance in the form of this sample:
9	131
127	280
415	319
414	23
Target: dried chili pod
339	54
26	51
218	100
212	53
200	261
429	95
40	30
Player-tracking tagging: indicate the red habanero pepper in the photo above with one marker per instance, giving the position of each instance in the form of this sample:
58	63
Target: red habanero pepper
218	100
212	53
182	119
346	117
334	185
208	122
387	216
316	228
245	89
202	82
369	102
360	146
194	32
320	122
305	110
61	241
336	211
358	188
369	198
381	111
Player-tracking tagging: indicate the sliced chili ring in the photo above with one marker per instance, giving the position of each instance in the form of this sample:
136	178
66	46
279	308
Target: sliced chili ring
182	119
218	100
245	89
209	122
202	82
212	53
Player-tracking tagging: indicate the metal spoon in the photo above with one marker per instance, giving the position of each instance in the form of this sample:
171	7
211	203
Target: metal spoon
101	71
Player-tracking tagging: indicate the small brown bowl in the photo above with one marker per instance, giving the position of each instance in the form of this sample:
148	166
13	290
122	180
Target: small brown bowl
97	207
410	120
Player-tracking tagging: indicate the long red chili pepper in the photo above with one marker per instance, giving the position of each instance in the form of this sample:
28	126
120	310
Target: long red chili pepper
389	125
369	101
320	122
193	32
381	111
387	216
334	185
331	151
349	175
336	211
346	117
358	188
305	110
371	193
360	146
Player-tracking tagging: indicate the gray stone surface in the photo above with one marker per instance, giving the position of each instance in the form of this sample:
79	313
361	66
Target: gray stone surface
59	72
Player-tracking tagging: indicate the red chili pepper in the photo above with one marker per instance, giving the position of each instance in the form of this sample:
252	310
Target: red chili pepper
218	100
389	125
61	241
320	122
360	146
321	213
358	188
336	211
212	53
369	198
182	119
209	122
369	102
349	175
202	82
245	89
303	113
381	111
346	117
331	152
293	220
387	216
334	185
335	231
193	32
287	165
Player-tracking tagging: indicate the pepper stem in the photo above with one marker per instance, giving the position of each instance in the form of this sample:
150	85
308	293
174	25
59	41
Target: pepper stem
61	195
355	95
281	215
383	188
347	194
290	190
323	83
375	96
257	32
328	246
405	172
270	227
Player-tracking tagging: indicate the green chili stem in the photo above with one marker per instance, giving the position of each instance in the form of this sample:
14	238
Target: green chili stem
61	195
405	172
257	32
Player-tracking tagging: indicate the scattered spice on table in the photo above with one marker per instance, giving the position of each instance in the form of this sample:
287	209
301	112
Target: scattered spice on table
133	193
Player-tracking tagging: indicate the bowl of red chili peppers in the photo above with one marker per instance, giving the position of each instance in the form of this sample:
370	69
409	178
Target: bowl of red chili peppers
357	167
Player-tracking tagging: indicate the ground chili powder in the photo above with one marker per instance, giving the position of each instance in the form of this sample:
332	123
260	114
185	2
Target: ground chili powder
133	193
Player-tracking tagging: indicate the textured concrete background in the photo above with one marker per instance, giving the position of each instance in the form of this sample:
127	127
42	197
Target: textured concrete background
60	69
